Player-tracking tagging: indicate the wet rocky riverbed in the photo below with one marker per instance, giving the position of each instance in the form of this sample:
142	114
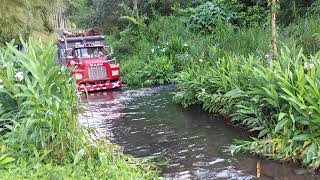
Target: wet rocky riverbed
145	122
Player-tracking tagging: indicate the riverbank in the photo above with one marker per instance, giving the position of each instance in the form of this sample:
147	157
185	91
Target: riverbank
145	122
230	72
279	102
40	135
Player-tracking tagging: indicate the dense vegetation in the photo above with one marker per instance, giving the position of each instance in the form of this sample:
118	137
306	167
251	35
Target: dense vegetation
219	54
40	137
279	101
23	18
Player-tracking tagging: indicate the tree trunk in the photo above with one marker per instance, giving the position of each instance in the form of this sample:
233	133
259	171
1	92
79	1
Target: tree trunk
274	29
135	7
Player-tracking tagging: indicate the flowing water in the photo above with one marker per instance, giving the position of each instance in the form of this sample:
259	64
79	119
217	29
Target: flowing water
145	123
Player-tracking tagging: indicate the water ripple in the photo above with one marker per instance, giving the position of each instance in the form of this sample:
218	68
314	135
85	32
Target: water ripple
146	123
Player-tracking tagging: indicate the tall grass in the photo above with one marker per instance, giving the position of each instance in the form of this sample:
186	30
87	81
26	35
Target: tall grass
39	135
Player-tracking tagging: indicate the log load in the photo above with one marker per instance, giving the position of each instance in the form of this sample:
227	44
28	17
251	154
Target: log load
89	32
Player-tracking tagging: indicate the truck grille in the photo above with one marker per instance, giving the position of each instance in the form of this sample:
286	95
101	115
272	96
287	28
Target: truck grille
97	72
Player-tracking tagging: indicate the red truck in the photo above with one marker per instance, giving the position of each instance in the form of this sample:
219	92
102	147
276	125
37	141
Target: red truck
88	56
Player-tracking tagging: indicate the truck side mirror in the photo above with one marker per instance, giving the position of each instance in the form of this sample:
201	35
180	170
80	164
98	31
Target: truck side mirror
113	60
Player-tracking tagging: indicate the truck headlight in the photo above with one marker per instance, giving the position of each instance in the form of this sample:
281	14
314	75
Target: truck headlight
78	76
115	73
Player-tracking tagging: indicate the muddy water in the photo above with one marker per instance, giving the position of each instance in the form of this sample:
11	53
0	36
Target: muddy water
146	123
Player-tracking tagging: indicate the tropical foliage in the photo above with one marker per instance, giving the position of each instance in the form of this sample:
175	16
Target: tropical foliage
278	99
206	16
40	137
218	53
229	71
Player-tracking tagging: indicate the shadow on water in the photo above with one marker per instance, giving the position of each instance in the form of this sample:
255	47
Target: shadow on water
146	123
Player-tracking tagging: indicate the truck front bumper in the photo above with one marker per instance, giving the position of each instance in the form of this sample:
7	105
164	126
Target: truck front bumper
99	87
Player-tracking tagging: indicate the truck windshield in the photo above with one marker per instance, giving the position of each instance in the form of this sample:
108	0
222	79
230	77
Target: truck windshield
89	52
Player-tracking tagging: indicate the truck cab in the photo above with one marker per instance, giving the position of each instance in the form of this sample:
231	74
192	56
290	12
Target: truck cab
88	57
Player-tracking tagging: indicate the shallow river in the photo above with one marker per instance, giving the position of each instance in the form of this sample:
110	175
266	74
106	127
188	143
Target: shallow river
145	122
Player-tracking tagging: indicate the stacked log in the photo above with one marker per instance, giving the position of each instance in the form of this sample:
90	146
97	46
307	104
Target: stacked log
88	32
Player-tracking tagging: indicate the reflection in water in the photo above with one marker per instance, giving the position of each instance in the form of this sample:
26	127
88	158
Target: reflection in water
146	123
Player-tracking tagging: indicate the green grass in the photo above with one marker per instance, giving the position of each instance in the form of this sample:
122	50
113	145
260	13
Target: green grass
40	137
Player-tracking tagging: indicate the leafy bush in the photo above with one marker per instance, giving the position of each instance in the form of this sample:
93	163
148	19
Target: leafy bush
207	15
40	137
157	71
254	15
165	48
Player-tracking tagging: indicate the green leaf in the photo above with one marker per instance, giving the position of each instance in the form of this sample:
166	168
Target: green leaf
235	93
281	124
257	128
281	116
79	156
301	137
311	152
6	160
263	133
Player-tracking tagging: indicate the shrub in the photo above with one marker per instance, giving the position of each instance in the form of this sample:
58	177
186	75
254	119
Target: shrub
207	15
157	71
